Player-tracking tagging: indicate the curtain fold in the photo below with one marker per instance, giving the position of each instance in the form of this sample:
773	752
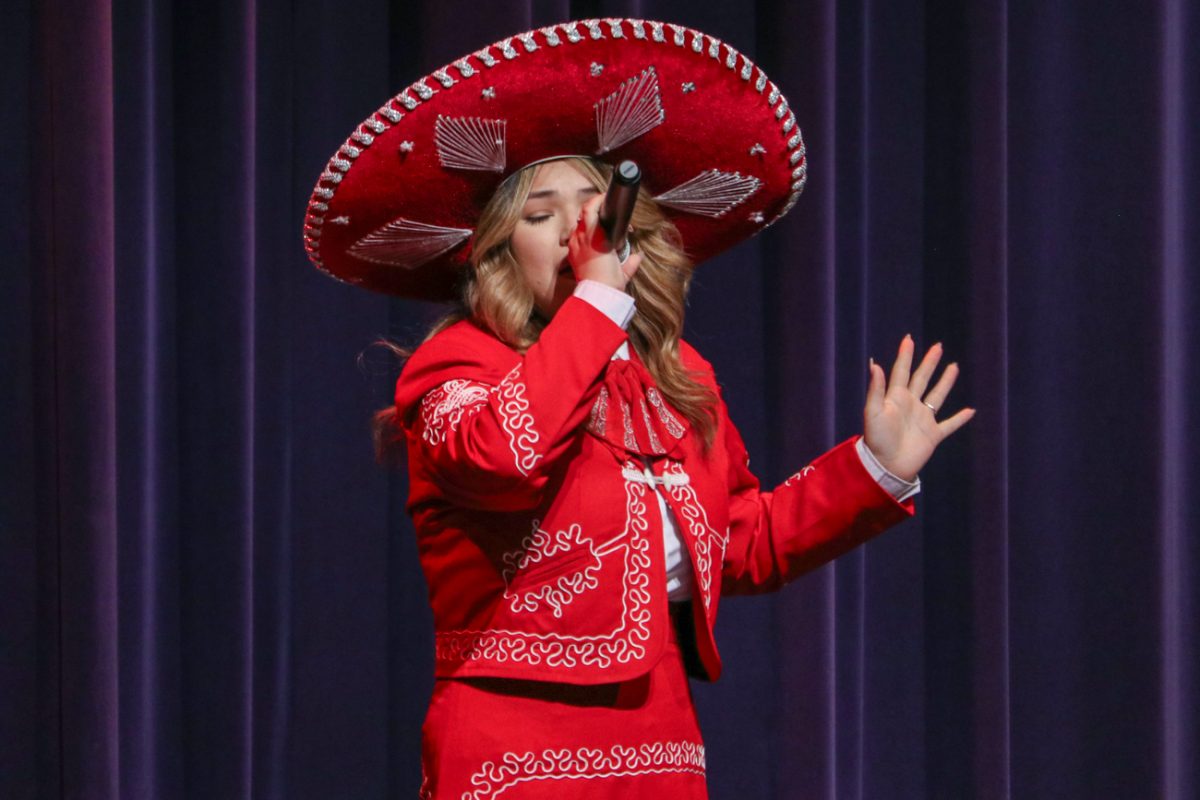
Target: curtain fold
209	589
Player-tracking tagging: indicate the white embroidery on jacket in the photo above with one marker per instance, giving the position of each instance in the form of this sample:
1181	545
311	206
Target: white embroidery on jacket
542	546
703	534
627	421
624	644
655	444
598	417
444	408
669	419
798	476
585	763
516	420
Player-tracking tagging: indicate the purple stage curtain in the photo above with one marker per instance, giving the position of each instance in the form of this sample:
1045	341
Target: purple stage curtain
209	590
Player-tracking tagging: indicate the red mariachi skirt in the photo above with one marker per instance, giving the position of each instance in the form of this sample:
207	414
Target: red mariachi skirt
535	740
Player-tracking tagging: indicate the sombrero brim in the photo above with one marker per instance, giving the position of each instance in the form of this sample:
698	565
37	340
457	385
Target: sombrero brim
396	206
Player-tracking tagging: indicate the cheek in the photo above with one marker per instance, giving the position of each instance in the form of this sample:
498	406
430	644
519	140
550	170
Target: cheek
532	250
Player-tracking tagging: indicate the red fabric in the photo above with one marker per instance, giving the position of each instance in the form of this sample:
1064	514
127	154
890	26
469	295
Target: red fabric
636	740
542	543
732	119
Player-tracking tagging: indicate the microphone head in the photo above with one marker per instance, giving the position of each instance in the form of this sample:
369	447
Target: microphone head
627	173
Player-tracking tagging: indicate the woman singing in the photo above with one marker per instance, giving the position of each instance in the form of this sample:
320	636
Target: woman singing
581	498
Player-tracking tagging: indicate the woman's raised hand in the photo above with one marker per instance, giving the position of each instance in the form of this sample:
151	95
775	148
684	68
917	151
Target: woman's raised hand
898	420
590	256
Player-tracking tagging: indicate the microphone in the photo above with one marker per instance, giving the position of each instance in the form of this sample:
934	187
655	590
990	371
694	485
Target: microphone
617	208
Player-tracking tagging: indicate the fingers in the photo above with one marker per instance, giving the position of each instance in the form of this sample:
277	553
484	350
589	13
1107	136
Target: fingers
875	391
920	378
937	395
631	266
589	219
903	363
951	424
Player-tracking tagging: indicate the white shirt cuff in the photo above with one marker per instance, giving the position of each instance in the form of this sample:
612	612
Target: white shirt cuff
613	303
895	486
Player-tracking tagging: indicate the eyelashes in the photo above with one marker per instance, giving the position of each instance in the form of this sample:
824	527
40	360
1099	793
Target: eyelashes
538	220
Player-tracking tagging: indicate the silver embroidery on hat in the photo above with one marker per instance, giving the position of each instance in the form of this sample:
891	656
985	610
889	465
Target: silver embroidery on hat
551	36
711	193
781	109
678	31
747	68
594	29
423	91
757	217
656	32
444	78
363	138
392	114
487	58
714	49
489	93
376	125
697	41
773	96
407	244
320	206
332	177
527	41
789	123
596	68
757	149
350	150
639	30
406	146
614	28
573	34
731	59
634	108
688	87
342	220
761	83
464	68
471	142
323	193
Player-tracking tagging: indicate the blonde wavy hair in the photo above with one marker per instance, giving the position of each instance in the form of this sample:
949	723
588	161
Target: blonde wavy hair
494	294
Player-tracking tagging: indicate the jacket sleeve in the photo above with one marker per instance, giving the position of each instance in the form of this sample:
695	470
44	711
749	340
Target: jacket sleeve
829	507
492	444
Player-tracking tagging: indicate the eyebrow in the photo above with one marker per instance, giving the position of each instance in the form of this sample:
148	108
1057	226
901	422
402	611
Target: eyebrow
552	192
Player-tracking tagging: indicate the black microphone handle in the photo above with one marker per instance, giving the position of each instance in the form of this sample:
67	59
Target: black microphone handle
617	208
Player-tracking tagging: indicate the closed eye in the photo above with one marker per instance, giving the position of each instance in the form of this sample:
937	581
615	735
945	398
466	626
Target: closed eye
537	220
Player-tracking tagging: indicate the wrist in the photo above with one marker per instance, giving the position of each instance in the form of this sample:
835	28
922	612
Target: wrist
617	282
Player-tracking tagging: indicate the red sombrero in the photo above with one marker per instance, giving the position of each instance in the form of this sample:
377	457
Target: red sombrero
720	151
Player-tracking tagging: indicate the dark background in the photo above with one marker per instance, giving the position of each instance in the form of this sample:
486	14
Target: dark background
209	590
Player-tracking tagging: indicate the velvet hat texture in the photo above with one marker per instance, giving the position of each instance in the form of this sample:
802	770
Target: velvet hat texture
395	208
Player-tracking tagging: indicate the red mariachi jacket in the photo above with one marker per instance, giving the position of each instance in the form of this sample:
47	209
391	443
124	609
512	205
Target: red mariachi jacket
537	526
